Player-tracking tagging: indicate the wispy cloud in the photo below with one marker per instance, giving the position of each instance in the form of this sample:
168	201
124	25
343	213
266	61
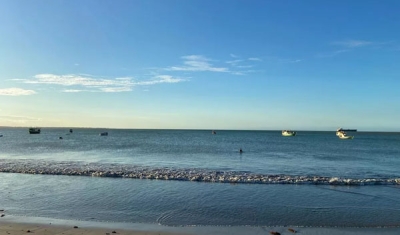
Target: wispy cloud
234	56
245	66
162	79
73	80
16	92
73	91
353	43
233	62
254	59
239	65
88	83
197	63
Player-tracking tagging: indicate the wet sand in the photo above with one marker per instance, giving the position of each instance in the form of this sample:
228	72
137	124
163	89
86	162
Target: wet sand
40	229
19	228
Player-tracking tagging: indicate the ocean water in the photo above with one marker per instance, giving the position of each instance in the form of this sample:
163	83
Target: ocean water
368	158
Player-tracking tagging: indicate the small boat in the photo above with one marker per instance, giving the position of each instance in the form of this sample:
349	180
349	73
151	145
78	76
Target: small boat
288	133
213	132
70	131
1	135
34	130
343	135
104	134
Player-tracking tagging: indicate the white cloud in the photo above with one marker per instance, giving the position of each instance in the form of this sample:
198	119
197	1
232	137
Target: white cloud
238	73
76	64
233	62
115	89
77	80
234	56
255	59
162	79
73	91
197	63
16	92
244	66
352	43
92	84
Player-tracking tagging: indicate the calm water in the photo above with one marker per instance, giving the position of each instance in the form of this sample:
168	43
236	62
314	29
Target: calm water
369	155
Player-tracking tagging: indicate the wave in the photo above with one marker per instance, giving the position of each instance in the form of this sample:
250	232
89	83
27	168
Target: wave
199	175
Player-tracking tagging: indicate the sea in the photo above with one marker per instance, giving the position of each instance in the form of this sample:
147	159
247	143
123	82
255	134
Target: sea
196	178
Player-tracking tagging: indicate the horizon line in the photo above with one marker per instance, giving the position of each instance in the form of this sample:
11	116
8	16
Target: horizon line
190	129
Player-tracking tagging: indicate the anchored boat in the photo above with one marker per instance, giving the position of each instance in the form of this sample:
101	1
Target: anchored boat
34	130
288	133
343	135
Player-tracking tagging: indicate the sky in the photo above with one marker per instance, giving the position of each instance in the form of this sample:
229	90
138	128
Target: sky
200	64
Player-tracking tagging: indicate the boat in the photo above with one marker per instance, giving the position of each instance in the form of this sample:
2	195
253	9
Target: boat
70	131
34	130
346	130
338	132
343	135
213	132
288	133
1	135
104	134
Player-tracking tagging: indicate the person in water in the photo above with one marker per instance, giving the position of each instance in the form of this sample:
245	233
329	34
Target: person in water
240	150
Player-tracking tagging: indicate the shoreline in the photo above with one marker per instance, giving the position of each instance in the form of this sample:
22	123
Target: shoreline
16	225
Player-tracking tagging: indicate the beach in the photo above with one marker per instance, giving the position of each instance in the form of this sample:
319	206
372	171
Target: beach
10	227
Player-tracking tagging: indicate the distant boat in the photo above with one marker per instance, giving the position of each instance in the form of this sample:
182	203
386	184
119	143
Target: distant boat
70	131
346	130
1	135
288	133
342	132
213	132
34	130
104	134
343	135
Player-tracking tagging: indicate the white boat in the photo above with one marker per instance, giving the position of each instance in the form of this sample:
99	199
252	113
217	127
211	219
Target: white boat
288	133
104	134
343	135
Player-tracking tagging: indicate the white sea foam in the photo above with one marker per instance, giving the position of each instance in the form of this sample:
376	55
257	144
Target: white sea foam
200	175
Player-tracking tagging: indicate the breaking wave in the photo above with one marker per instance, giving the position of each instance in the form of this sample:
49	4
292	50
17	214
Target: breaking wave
199	175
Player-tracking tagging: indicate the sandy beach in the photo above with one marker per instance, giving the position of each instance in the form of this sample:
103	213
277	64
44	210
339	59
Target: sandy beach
40	229
15	225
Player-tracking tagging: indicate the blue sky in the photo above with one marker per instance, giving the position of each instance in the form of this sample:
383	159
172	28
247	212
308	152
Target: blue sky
304	65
